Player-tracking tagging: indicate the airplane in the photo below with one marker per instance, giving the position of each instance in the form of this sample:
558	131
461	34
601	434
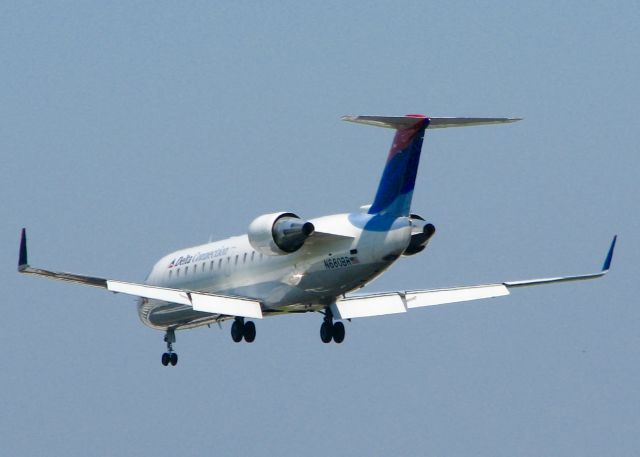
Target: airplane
287	264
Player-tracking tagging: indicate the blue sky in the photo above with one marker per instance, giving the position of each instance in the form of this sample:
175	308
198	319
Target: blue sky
130	130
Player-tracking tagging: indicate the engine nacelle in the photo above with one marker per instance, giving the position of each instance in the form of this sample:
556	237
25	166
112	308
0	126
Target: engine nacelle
279	233
421	232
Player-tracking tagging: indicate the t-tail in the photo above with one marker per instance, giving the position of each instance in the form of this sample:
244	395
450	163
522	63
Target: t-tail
395	190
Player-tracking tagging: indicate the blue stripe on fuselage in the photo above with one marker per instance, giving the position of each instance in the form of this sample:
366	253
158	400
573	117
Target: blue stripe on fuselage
374	222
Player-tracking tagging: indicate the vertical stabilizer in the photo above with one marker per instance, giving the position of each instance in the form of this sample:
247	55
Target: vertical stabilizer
399	176
395	190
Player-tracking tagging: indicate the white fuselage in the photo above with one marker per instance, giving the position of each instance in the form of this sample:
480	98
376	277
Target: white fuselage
311	278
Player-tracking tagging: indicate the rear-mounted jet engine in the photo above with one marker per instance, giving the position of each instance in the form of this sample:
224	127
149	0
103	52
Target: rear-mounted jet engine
279	233
421	233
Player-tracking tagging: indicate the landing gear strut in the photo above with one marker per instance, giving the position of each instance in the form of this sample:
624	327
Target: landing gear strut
170	357
330	330
241	329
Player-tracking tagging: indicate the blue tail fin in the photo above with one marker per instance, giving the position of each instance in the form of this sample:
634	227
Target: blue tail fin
399	176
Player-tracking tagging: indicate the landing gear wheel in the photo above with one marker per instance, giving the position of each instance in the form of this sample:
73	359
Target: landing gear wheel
170	357
326	332
237	330
249	331
338	332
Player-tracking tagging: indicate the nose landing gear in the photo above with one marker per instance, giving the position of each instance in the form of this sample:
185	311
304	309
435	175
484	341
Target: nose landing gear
330	330
170	357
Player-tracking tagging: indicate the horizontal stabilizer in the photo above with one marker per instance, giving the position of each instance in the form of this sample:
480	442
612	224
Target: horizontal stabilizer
390	122
443	122
404	122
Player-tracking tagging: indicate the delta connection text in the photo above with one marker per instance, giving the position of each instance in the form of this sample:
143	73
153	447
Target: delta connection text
199	257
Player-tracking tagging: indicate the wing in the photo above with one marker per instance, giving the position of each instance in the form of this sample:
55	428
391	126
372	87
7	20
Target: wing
401	302
200	301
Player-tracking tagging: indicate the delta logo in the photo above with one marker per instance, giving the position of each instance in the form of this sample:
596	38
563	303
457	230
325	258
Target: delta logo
182	260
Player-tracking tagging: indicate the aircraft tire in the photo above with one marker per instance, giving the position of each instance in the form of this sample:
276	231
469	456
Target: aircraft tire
237	331
338	332
173	358
165	359
249	331
326	332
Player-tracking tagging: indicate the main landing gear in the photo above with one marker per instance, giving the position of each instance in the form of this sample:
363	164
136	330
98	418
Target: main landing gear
330	330
170	357
241	329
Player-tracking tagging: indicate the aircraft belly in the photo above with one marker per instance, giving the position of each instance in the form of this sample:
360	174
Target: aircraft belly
319	286
308	280
338	281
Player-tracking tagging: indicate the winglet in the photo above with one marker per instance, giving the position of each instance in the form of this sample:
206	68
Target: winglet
23	263
607	262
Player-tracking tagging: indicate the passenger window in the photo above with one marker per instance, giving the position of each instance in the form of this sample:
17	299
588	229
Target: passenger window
186	271
211	266
244	258
195	268
253	254
178	272
219	264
